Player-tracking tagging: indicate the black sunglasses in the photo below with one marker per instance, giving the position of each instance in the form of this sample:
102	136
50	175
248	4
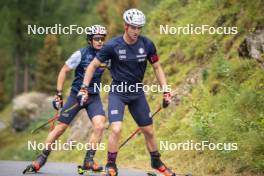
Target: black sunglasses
99	39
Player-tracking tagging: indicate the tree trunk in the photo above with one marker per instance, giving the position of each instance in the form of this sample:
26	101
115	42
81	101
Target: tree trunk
26	78
19	55
17	83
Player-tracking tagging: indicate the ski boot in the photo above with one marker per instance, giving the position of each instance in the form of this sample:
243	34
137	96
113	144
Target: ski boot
38	163
111	170
93	166
162	168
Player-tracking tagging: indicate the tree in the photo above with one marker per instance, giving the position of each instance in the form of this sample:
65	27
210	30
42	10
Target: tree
48	64
111	13
20	50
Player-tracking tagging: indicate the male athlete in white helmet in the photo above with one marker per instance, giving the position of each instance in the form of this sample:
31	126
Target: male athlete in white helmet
78	61
129	55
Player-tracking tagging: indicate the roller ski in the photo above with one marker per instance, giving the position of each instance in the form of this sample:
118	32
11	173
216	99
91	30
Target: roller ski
151	173
30	169
38	163
90	168
161	168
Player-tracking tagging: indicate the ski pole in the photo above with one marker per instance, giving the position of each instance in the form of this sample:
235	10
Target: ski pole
46	123
55	117
138	129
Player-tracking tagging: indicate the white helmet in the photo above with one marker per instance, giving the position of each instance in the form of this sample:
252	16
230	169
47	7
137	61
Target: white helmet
96	30
134	17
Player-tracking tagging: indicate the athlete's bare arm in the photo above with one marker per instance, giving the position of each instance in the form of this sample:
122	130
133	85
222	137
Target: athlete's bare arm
159	74
62	76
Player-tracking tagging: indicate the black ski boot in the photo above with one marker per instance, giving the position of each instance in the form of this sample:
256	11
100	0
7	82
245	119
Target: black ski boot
162	168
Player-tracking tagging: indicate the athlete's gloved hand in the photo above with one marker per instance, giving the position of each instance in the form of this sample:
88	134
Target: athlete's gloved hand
166	99
57	102
82	95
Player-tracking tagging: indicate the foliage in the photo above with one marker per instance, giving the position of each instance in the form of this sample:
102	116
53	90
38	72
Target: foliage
49	63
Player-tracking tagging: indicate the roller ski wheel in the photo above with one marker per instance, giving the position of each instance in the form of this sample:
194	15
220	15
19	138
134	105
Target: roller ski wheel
151	174
82	171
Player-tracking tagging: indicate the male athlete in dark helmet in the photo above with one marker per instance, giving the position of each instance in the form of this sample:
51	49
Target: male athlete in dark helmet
129	55
78	61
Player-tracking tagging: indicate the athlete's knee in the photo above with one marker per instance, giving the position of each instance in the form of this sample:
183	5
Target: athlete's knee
116	128
148	131
98	124
60	128
98	128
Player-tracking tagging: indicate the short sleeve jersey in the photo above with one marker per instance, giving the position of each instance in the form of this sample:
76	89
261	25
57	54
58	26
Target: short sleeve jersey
79	61
128	62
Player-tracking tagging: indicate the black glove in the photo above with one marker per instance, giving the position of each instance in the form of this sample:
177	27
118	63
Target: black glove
166	99
58	100
82	95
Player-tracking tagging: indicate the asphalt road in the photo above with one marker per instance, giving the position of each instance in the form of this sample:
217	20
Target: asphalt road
15	168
